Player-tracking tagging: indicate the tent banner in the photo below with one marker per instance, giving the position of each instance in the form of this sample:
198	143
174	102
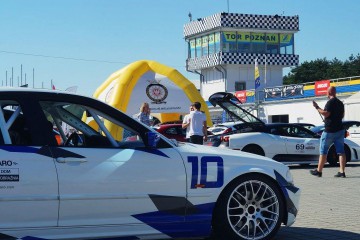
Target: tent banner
162	94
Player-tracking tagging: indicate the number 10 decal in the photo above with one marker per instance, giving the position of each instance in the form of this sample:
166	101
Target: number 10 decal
204	161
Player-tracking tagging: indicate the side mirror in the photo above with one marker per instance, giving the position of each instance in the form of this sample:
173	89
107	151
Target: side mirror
152	139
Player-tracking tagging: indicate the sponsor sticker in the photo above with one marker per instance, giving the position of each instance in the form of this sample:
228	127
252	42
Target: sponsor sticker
9	175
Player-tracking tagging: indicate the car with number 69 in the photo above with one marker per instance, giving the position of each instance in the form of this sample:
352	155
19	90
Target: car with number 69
111	176
289	143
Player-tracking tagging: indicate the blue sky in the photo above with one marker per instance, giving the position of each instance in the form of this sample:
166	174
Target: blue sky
82	42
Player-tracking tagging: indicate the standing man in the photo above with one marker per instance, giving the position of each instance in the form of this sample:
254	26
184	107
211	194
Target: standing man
197	125
333	134
186	123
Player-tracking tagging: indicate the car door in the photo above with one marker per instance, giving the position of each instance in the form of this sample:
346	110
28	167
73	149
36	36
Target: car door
301	141
127	183
28	179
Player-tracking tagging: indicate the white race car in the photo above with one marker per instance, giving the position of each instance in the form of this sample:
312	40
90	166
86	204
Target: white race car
284	142
115	177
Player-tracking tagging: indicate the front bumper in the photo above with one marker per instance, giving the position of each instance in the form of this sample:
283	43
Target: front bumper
291	197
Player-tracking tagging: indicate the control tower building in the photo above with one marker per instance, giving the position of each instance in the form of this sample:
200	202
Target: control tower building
224	47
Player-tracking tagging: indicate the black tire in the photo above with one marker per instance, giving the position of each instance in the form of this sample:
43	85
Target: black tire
333	158
255	149
242	213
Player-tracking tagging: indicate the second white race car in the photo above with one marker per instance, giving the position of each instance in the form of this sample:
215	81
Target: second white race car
285	142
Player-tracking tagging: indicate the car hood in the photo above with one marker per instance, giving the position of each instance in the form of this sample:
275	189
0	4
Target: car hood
232	157
231	105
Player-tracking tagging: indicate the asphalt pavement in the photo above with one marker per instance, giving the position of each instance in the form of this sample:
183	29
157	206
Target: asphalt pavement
329	207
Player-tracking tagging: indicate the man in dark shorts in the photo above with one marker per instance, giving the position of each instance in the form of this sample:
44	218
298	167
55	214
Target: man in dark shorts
333	134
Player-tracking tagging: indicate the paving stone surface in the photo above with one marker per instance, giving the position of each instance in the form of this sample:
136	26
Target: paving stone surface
329	207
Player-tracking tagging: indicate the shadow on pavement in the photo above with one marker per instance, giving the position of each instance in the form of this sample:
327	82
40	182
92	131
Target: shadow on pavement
311	166
299	233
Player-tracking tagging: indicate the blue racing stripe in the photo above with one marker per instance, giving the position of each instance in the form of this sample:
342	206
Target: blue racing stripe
152	151
23	149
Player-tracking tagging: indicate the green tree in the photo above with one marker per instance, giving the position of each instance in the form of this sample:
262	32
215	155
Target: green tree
321	69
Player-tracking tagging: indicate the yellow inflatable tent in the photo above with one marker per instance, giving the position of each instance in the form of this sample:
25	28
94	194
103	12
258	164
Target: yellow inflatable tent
168	92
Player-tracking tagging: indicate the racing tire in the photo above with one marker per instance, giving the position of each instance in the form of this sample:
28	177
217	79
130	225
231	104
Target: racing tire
255	149
250	207
333	158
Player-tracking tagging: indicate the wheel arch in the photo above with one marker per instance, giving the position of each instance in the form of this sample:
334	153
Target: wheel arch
254	145
348	154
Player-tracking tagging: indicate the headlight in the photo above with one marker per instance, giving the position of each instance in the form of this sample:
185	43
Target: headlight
289	177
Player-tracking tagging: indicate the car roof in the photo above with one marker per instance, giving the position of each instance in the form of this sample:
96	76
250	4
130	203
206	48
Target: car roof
344	122
23	94
22	91
281	124
227	124
304	124
34	90
168	125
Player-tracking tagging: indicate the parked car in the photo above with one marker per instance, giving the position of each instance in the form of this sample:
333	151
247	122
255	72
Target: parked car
285	142
305	125
172	131
106	186
352	130
226	127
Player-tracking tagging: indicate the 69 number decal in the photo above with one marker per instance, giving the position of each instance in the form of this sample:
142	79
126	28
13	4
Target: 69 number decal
300	146
204	165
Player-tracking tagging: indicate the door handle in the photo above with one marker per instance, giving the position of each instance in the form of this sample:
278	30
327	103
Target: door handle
70	160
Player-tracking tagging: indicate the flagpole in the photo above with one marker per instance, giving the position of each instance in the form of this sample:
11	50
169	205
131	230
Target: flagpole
255	74
265	72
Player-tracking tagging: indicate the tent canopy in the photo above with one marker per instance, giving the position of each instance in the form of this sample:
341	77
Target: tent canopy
168	92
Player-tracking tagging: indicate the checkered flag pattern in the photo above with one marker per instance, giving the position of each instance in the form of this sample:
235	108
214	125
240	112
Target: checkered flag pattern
236	20
242	58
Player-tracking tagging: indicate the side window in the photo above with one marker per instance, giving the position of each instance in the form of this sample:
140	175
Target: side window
354	127
14	130
274	131
82	126
171	131
299	132
183	131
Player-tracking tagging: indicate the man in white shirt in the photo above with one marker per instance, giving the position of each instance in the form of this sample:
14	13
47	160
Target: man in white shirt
197	125
186	123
